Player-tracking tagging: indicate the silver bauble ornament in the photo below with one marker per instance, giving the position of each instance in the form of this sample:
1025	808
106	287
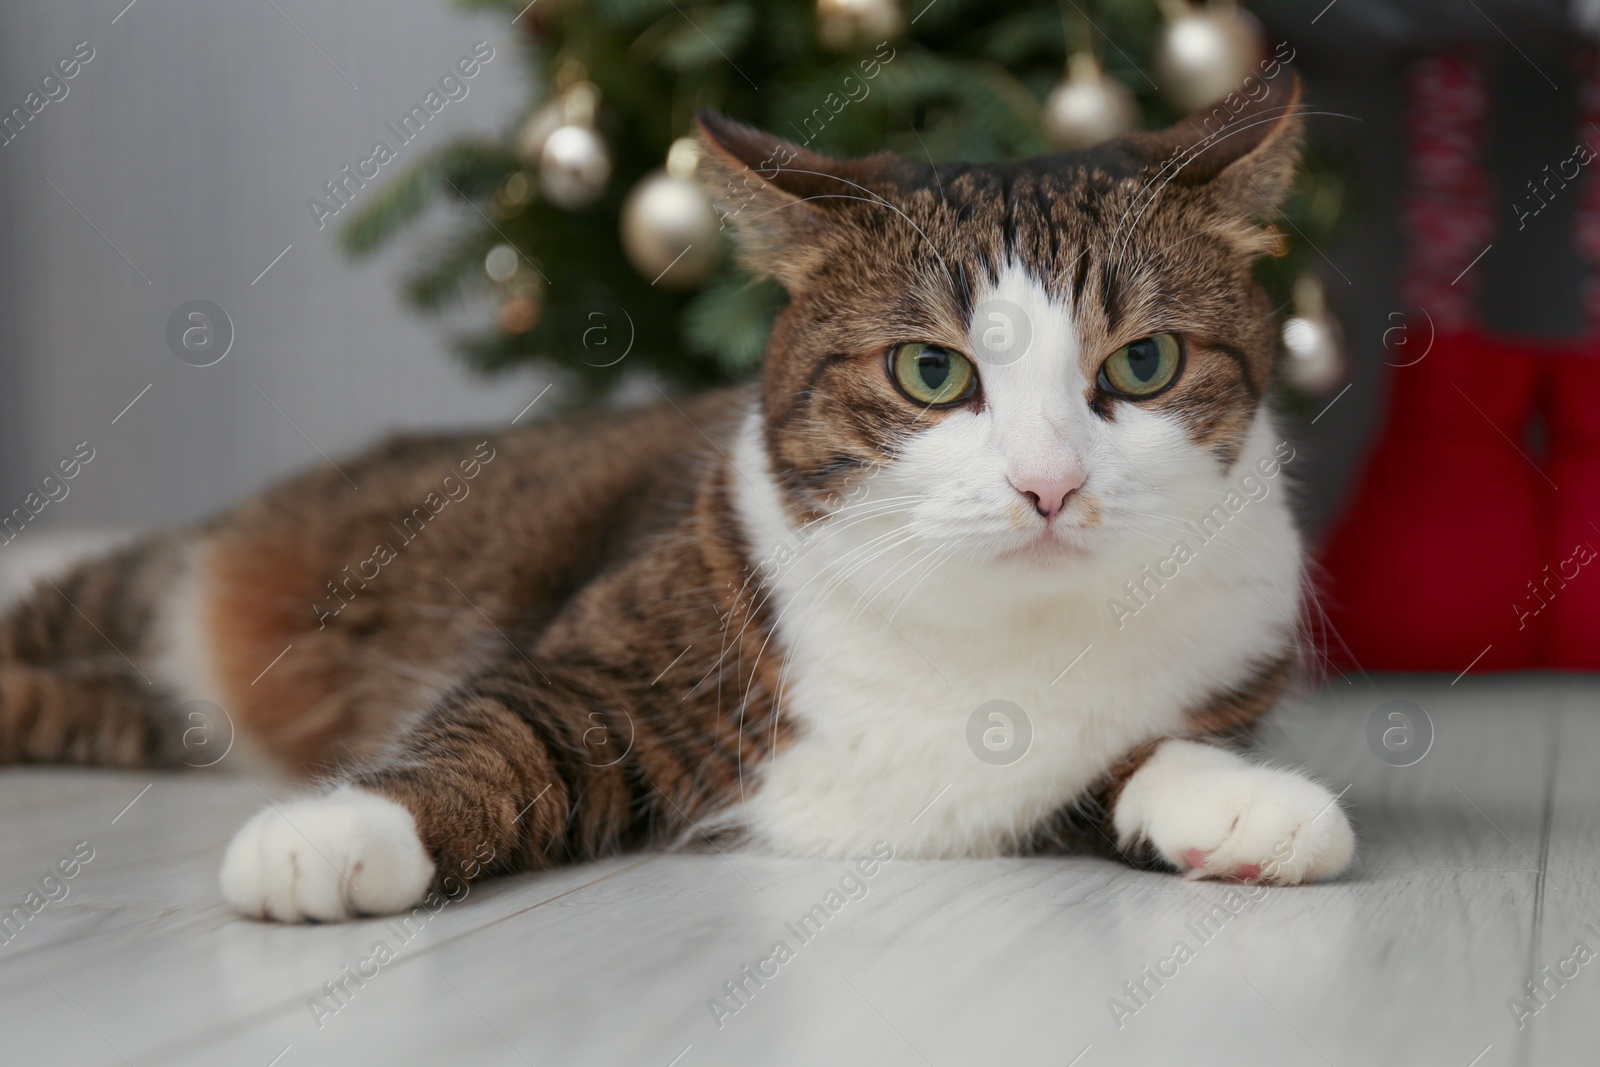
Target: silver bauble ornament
1089	107
669	228
845	24
573	167
1206	52
1312	339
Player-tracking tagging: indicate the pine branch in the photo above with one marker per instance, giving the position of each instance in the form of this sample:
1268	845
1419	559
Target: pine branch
966	82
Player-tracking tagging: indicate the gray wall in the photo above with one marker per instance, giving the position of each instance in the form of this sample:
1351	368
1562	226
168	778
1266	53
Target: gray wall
192	141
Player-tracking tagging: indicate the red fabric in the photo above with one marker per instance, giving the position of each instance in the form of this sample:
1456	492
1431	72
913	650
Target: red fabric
1430	563
1567	587
1461	547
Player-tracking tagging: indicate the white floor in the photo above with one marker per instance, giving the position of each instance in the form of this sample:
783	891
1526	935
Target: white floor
1479	866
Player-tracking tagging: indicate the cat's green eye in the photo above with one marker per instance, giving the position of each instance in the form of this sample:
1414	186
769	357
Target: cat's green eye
932	375
1143	368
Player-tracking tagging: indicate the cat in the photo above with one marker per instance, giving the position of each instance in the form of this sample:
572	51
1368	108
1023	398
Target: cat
990	560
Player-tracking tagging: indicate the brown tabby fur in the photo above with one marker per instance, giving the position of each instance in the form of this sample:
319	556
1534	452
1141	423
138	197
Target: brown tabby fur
564	662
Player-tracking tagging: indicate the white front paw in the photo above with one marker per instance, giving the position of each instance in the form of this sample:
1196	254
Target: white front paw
328	858
1213	815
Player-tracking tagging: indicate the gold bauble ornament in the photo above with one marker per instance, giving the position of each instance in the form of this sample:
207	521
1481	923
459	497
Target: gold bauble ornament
514	194
1206	52
846	24
1088	107
669	228
519	314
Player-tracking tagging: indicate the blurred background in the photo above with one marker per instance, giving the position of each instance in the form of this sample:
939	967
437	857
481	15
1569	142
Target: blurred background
417	214
177	167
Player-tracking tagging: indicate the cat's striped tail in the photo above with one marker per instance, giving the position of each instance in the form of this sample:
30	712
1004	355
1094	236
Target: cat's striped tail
78	682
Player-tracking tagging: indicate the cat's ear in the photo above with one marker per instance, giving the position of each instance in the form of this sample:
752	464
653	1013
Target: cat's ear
1241	154
776	194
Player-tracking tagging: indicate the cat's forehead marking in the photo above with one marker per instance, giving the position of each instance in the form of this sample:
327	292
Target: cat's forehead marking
1025	339
1028	344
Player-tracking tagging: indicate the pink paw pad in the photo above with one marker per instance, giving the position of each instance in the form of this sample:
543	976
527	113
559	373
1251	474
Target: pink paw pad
1195	858
1248	872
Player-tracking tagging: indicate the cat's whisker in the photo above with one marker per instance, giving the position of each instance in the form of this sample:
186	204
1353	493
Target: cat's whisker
794	598
831	528
875	587
947	551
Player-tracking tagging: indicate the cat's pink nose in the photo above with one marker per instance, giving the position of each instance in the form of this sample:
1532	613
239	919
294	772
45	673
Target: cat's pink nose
1048	493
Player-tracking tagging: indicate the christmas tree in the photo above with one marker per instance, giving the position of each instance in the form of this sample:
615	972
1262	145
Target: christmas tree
601	255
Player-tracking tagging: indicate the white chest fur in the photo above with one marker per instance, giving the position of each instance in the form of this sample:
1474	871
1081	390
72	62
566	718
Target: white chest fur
890	646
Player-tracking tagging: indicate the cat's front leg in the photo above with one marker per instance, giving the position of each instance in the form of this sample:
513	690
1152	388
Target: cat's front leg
512	770
1211	813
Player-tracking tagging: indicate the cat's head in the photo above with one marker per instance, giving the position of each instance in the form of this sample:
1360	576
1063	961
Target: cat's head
1033	358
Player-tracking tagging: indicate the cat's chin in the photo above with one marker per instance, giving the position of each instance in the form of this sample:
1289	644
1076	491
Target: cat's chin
1046	551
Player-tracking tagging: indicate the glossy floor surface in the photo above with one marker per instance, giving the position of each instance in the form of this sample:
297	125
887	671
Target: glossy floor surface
1479	868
